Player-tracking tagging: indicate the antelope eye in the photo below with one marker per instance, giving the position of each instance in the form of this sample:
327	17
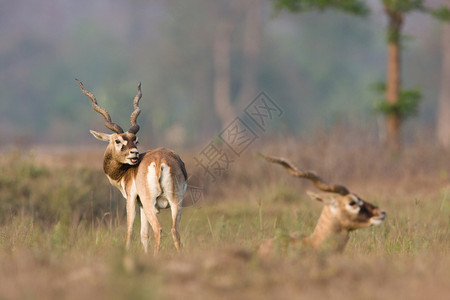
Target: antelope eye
117	142
352	203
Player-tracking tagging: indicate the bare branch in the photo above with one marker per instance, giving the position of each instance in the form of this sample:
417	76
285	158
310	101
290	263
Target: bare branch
318	182
110	125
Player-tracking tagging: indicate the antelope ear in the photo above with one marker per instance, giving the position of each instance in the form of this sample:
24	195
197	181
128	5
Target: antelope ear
326	199
101	136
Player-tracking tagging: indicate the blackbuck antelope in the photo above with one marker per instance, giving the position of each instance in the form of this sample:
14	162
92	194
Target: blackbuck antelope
343	211
155	179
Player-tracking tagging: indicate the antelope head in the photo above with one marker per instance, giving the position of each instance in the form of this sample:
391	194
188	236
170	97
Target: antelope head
122	145
343	211
350	211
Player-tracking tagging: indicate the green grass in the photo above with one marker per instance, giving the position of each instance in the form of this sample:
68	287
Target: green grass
62	236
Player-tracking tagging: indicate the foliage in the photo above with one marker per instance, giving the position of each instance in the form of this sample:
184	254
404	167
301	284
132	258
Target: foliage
355	7
396	9
403	6
406	6
442	13
406	106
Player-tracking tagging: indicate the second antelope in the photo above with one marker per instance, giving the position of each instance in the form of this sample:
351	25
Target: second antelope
343	211
155	179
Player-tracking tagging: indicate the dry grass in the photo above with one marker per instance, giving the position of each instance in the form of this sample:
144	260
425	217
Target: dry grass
75	249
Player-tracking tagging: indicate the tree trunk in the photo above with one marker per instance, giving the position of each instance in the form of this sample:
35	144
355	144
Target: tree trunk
222	59
393	120
443	122
393	82
251	49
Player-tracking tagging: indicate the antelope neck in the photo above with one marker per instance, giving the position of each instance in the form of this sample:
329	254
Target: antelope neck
114	169
326	226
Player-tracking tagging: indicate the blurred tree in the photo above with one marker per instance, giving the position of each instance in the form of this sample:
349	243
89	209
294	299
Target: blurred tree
356	7
227	12
443	121
175	63
236	16
321	71
251	45
399	104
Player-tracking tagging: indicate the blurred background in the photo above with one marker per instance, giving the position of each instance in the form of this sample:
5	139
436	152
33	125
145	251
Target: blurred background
200	63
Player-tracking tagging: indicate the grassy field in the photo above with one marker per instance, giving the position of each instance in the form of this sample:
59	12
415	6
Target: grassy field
62	230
